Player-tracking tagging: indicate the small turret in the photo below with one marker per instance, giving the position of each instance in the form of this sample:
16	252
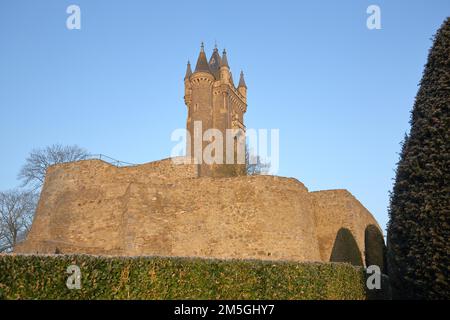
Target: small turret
242	81
242	87
215	62
224	68
224	62
188	71
187	85
202	62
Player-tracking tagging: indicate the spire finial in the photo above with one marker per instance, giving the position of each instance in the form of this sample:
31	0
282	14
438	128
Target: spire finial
202	47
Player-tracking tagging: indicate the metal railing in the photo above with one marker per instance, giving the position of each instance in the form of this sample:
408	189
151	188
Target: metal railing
110	160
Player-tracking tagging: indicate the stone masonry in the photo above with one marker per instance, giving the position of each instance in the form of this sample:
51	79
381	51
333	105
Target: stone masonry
162	208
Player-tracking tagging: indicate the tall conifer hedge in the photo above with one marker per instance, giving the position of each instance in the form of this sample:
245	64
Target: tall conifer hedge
419	226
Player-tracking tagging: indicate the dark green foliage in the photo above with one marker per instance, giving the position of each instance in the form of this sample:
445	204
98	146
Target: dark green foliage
375	250
44	277
419	226
345	248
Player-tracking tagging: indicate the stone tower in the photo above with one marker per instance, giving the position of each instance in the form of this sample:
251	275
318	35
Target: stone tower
214	102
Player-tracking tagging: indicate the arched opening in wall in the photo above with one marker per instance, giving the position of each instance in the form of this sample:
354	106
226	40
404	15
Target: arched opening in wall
345	248
375	249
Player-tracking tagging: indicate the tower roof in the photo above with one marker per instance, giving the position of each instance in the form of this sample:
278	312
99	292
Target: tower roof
202	62
224	62
188	70
242	81
214	63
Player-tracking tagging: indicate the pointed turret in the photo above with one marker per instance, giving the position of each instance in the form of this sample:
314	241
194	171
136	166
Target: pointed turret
224	68
242	81
188	71
214	63
224	62
187	85
242	87
202	62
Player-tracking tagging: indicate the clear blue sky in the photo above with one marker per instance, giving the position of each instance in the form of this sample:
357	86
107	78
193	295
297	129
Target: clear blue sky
339	93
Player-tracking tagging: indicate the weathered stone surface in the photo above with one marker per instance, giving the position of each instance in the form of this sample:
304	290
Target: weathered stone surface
160	208
335	210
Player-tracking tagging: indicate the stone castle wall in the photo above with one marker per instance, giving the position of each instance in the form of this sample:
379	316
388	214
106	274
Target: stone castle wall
160	208
335	210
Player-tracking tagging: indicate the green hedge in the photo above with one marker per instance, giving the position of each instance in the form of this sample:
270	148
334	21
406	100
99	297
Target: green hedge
418	232
44	277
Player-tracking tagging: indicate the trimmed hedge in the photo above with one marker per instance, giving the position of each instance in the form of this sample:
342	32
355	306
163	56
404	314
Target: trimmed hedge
44	277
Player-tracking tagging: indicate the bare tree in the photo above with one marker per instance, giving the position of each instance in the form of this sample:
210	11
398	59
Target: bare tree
254	164
33	172
17	209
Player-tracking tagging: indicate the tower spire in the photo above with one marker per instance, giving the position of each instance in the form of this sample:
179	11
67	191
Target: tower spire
188	70
224	62
215	62
242	81
202	63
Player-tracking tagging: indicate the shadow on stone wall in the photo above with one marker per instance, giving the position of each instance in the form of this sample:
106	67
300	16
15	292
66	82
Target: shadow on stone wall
345	248
375	249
